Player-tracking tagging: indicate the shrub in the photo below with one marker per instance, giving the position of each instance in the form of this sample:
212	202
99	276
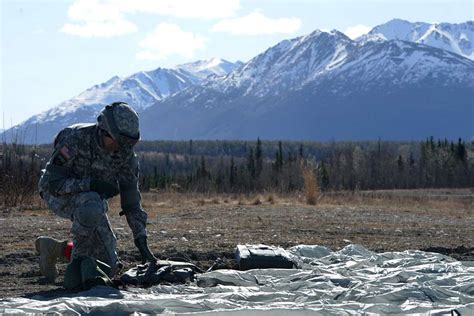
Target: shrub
311	186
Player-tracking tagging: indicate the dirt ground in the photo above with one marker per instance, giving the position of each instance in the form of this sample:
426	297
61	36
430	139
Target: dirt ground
201	228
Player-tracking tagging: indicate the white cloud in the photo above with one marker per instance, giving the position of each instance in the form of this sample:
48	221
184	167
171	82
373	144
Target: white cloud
168	39
95	18
106	18
357	30
256	23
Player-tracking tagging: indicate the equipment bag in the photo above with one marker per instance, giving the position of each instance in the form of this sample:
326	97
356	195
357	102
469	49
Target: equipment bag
262	257
154	273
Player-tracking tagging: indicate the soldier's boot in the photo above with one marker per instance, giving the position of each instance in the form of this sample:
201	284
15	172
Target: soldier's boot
50	250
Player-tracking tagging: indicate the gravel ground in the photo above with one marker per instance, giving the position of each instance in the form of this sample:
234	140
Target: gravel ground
203	229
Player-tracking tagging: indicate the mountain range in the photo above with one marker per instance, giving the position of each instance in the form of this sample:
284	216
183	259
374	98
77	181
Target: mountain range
140	90
402	80
456	38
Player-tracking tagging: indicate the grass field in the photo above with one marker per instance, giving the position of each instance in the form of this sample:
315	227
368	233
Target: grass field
201	228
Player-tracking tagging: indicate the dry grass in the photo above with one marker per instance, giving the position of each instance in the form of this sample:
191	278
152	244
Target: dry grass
450	202
162	202
447	200
257	200
271	199
383	220
33	204
311	186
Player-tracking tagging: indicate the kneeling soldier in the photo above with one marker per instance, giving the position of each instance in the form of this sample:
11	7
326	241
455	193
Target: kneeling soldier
90	164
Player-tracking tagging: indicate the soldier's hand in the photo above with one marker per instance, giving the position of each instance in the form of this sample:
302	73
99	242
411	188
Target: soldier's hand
142	245
104	188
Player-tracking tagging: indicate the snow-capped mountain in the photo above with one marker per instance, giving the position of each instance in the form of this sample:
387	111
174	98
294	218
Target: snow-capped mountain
456	38
213	66
289	64
325	86
397	82
140	90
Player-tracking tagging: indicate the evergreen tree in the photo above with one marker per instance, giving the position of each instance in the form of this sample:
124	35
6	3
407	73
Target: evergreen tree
232	173
251	164
279	161
401	173
412	179
202	172
190	149
411	160
461	152
324	176
400	164
220	177
258	158
167	160
155	177
432	143
290	159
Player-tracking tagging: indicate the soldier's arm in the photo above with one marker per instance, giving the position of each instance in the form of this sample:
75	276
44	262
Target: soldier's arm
131	206
130	198
58	177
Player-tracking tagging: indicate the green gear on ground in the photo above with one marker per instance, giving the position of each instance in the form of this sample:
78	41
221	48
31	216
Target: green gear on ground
50	250
92	273
72	277
85	273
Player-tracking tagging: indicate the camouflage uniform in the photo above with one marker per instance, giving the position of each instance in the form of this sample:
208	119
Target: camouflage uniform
65	185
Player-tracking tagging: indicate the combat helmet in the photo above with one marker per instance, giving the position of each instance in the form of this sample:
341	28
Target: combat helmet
120	121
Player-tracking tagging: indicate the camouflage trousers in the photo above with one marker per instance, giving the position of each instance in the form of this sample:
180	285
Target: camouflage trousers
91	230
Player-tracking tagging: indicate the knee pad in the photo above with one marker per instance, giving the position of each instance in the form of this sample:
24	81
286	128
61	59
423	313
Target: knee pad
89	213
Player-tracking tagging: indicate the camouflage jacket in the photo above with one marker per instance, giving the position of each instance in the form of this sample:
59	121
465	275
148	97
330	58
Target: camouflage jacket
78	157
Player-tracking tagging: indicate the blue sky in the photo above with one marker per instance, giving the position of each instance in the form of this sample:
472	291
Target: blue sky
53	50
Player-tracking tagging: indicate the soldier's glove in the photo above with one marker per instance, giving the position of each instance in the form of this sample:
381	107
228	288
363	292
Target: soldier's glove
142	245
104	188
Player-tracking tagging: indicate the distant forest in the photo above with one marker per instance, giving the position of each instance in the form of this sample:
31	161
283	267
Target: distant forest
278	166
267	166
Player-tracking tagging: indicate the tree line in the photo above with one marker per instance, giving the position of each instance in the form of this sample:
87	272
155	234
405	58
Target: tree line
278	166
266	166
